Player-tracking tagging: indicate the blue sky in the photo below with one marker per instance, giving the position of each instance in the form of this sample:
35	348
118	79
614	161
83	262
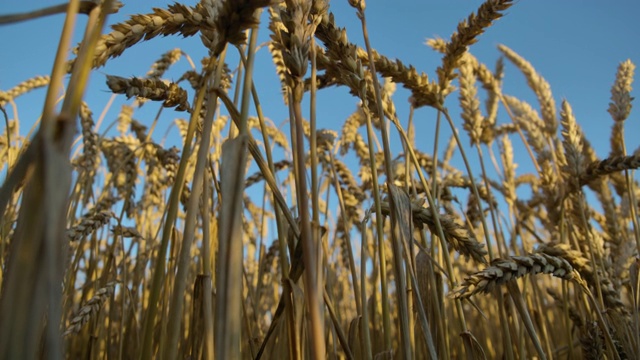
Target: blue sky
576	45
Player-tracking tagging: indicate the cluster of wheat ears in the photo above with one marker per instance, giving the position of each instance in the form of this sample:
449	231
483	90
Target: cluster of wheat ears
247	242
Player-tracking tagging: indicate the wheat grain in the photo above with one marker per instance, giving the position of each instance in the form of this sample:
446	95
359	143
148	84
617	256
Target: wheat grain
587	270
572	143
90	309
514	267
161	65
620	105
23	88
171	94
468	31
461	240
89	223
539	86
609	166
470	103
592	341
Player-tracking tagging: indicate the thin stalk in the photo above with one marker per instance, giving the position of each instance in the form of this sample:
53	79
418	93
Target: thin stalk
177	299
474	188
248	80
524	315
402	296
601	321
522	137
386	316
208	342
438	309
499	240
404	240
434	167
313	149
347	226
264	168
364	326
310	260
158	276
632	201
592	248
342	338
84	7
278	209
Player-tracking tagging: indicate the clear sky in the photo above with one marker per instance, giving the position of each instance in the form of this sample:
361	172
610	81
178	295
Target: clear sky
575	44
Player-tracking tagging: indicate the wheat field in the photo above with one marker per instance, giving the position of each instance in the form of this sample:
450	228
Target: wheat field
233	237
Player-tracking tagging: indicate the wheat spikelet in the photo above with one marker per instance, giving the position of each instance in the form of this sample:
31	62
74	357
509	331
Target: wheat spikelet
325	139
345	177
218	24
161	65
344	67
169	159
89	223
469	102
292	38
609	166
584	266
592	341
90	157
154	185
259	176
509	170
90	309
171	94
340	59
539	86
620	105
438	44
125	231
122	165
492	84
572	141
23	88
468	31
455	179
349	132
176	19
230	20
140	131
455	234
275	134
278	59
423	91
529	120
88	162
503	270
10	141
105	202
124	119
